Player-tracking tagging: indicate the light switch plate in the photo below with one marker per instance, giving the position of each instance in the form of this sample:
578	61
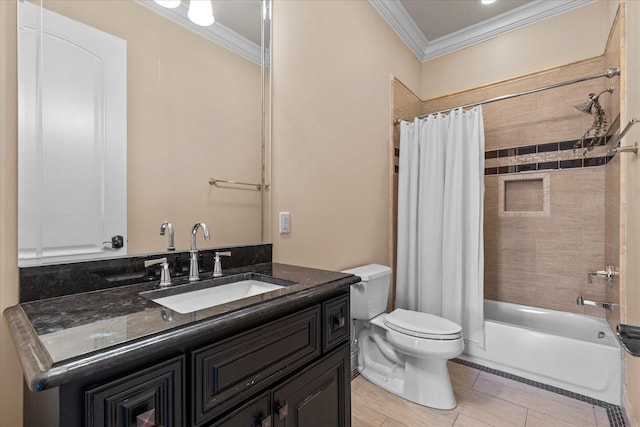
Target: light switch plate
285	222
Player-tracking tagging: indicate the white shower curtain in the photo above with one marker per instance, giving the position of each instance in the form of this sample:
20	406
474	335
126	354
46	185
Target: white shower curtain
440	209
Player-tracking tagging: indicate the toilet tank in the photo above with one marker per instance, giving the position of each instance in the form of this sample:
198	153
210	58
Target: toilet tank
369	297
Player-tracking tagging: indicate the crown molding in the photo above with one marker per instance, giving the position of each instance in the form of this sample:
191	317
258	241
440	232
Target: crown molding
397	16
403	24
216	32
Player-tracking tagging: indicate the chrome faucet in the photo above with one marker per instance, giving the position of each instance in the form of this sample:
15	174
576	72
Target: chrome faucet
193	253
604	304
168	226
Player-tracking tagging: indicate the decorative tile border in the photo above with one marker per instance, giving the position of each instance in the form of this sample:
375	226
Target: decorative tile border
548	156
614	412
542	157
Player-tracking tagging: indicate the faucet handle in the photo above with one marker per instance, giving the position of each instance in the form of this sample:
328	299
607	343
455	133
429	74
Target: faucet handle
165	275
608	273
150	262
217	265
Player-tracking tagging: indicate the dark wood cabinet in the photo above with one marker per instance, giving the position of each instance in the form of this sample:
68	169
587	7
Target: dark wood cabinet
226	371
336	320
291	370
151	397
319	396
255	413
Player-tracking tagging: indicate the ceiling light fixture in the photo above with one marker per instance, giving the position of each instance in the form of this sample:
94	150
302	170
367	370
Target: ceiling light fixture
487	1
201	12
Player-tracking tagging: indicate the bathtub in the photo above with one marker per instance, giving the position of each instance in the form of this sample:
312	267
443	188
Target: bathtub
552	347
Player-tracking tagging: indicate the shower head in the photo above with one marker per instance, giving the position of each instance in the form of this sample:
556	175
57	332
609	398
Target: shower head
586	106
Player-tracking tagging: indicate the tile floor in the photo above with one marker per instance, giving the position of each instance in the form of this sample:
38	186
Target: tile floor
484	399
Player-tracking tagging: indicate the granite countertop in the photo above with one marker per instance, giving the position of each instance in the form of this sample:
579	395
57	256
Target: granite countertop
65	338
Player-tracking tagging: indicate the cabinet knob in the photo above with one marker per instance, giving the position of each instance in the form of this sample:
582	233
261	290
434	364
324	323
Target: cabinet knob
338	322
283	411
147	418
265	422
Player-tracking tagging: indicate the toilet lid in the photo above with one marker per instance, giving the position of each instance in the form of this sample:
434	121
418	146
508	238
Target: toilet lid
423	325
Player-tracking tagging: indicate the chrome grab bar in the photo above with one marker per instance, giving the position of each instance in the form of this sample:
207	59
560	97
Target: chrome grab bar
215	181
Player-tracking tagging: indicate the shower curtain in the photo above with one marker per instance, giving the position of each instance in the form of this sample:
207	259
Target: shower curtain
440	264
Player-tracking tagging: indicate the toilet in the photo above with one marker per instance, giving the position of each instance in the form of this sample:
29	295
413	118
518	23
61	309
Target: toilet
404	352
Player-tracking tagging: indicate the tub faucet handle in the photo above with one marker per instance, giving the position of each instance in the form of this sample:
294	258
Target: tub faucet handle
608	273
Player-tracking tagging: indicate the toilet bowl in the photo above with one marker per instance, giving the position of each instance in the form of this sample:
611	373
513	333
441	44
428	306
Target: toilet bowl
404	352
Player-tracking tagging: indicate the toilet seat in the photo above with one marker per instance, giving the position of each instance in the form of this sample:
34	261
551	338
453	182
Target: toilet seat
422	325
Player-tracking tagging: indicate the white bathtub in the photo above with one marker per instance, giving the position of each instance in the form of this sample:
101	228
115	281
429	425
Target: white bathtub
552	347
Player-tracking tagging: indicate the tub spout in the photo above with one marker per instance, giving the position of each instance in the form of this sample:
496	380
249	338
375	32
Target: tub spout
604	304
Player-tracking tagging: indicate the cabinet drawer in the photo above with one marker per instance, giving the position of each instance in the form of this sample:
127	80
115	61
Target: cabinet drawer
153	396
336	322
228	371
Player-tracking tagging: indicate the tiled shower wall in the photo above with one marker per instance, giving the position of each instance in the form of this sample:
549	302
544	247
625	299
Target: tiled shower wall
542	259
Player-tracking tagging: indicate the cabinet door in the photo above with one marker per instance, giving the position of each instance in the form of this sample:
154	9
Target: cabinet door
319	396
151	397
255	413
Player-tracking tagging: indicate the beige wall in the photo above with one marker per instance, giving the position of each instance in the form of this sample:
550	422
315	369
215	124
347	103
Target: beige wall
331	130
572	36
10	370
630	289
194	112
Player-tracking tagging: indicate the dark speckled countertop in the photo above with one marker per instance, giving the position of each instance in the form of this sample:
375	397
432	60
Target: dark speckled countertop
65	338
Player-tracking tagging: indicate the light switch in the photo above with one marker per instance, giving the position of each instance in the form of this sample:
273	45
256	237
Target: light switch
285	222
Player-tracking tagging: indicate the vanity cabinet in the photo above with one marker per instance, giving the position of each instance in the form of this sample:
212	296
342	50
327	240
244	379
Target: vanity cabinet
152	397
226	371
319	396
289	369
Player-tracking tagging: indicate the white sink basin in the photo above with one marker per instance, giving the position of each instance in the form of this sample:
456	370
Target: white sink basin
188	302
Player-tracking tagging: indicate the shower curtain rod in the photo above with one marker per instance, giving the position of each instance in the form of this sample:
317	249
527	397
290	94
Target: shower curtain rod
611	72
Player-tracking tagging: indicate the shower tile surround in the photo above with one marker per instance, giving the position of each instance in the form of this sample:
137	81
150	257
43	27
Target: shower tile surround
533	259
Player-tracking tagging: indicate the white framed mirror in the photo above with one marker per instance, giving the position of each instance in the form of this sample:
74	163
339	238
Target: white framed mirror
164	107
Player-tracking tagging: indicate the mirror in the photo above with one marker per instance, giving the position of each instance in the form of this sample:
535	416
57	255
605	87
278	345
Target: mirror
192	110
